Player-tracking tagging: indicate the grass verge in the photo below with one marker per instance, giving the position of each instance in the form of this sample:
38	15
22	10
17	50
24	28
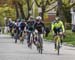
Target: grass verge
69	39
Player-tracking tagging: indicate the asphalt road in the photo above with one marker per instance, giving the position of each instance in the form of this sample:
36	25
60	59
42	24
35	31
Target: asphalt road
11	51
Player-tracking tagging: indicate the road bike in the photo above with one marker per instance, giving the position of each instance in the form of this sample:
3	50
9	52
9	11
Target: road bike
38	42
58	41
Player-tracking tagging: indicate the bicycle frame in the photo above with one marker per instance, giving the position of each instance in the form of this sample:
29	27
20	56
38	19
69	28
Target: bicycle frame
57	42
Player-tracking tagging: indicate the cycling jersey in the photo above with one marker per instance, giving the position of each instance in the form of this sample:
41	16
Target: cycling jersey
22	26
39	27
30	26
58	26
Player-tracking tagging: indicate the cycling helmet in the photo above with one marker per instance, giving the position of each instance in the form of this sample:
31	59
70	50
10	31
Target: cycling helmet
57	18
31	17
38	18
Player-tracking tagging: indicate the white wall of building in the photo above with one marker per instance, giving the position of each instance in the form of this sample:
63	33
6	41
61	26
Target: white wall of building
73	16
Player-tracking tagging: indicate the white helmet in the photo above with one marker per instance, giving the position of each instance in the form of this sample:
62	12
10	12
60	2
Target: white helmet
31	17
57	18
38	17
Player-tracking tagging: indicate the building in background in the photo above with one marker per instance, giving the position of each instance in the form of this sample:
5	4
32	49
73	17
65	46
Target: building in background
51	14
2	2
73	16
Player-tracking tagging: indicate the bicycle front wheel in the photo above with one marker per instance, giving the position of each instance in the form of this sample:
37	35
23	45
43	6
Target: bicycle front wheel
58	48
58	45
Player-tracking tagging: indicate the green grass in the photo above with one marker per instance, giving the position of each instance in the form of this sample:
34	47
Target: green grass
50	37
70	37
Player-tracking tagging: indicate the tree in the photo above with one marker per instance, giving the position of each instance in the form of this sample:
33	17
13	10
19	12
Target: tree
44	5
64	7
19	5
29	4
16	8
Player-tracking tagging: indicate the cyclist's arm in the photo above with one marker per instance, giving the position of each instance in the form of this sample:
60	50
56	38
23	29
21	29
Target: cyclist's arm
63	28
52	27
35	26
43	26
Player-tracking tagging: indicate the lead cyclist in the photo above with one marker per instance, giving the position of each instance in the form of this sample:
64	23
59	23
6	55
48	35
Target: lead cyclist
58	27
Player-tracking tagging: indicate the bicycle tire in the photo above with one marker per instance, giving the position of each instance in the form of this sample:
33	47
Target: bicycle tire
58	48
58	45
31	40
22	37
41	43
40	49
15	40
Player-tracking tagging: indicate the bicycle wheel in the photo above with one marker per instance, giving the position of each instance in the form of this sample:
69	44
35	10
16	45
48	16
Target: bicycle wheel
21	40
58	48
22	37
39	48
58	45
40	44
16	37
12	32
31	40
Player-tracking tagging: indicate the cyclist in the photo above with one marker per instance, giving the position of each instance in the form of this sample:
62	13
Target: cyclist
16	31
40	27
30	29
11	25
57	27
21	28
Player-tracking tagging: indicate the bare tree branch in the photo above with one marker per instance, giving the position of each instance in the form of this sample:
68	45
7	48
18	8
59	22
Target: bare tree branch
72	5
69	7
50	9
37	3
32	4
51	3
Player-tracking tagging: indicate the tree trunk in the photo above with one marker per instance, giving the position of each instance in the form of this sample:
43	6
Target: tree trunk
60	11
42	14
21	11
17	12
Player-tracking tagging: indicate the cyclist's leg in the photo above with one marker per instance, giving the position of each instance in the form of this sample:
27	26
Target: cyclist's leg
61	35
16	36
22	36
35	37
12	32
28	38
55	42
61	39
41	39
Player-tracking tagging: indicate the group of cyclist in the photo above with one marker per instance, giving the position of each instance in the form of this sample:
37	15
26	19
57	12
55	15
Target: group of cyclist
28	27
32	24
